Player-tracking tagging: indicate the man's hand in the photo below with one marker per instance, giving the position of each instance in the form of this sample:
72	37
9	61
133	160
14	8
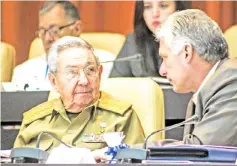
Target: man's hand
99	155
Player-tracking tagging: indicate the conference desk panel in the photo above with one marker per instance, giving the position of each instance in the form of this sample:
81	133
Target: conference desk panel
157	163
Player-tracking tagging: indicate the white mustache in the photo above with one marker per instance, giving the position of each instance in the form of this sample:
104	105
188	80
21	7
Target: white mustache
83	90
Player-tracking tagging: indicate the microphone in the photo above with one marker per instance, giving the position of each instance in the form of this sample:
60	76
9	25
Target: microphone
50	135
130	58
192	120
33	155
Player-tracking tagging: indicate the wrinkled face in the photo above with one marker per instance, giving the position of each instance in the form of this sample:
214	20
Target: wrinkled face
52	20
156	12
174	68
77	78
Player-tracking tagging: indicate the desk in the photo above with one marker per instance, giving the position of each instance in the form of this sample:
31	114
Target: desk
170	164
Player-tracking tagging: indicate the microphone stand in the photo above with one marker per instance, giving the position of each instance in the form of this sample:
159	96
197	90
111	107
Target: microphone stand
191	120
137	155
32	155
130	58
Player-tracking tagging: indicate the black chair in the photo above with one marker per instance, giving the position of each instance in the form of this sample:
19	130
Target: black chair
13	105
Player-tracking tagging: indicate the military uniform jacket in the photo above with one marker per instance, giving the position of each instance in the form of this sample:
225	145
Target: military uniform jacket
107	115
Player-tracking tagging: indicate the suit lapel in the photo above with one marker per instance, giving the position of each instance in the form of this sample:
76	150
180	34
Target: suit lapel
190	112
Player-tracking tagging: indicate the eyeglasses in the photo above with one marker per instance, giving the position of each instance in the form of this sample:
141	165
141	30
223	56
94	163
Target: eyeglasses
90	71
53	31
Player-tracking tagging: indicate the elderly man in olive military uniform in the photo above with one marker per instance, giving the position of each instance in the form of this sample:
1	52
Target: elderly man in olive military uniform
82	113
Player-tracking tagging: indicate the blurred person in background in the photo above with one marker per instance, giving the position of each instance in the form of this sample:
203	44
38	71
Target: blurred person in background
56	19
148	16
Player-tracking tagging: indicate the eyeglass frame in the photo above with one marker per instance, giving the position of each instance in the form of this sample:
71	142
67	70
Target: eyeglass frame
48	30
78	72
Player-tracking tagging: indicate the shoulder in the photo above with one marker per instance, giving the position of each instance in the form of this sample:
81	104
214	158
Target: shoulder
223	82
112	104
130	38
30	63
226	71
104	55
39	111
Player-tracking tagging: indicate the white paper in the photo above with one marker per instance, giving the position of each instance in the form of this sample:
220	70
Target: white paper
5	153
113	138
65	155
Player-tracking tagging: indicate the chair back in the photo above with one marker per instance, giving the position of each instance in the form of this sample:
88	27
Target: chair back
36	48
111	42
231	38
147	99
8	56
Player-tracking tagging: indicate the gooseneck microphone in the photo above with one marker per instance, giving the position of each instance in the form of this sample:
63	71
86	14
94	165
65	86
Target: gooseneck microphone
32	155
50	135
130	58
194	119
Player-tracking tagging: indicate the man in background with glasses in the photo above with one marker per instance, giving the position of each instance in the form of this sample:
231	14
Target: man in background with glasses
56	19
82	113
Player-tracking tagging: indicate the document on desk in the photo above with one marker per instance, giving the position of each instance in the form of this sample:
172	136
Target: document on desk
65	155
5	156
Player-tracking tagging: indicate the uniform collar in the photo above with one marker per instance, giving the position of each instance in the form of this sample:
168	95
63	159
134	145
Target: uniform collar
58	108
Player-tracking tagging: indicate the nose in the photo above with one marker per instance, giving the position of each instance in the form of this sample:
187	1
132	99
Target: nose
155	11
48	38
163	71
83	80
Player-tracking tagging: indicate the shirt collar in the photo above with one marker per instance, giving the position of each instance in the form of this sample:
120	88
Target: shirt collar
211	72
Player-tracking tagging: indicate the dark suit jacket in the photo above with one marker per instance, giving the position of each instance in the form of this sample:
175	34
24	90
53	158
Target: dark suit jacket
137	68
217	107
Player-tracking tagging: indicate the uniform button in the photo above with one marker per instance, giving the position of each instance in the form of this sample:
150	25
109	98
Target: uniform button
70	131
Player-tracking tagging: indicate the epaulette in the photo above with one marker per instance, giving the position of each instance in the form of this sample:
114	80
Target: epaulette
110	103
39	111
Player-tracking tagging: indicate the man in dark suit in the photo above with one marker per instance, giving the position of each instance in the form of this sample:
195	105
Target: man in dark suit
195	59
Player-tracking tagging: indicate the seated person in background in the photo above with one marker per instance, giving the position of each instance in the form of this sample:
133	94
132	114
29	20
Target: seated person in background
148	15
56	19
83	111
195	59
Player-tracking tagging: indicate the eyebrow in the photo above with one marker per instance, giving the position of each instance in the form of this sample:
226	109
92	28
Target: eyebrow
75	66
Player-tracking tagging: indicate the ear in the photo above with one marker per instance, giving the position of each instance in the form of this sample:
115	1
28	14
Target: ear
188	53
53	81
78	28
100	70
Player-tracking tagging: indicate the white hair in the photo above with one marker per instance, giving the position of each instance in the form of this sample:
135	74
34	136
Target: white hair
63	44
194	27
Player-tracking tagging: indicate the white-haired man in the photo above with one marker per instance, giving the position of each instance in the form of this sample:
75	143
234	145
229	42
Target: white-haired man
56	19
82	113
195	59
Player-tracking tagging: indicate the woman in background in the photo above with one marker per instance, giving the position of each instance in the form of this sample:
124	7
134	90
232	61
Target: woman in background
148	15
